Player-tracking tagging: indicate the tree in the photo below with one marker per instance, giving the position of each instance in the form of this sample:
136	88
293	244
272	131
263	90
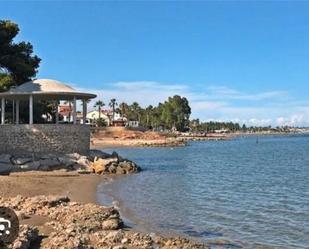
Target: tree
99	104
148	113
135	111
176	113
113	104
123	108
17	62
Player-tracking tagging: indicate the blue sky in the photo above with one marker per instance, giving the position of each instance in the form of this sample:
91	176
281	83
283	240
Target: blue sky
240	61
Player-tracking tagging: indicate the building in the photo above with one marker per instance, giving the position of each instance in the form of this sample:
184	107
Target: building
132	124
65	111
107	117
94	115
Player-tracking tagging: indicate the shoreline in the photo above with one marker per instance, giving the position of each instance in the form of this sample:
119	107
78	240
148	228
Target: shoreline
133	220
82	190
115	137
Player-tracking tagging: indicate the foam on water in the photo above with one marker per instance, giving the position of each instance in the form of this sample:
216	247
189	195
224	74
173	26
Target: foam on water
240	193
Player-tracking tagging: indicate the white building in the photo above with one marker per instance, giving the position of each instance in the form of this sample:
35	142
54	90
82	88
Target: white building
94	115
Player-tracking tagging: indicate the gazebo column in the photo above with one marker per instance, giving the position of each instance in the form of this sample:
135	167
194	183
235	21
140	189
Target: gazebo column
74	110
2	111
31	109
17	112
84	111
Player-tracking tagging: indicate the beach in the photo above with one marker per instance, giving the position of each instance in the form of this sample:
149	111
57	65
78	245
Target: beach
51	183
58	210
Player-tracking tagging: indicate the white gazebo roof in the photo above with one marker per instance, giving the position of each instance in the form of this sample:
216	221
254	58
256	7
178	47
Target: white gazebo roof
45	89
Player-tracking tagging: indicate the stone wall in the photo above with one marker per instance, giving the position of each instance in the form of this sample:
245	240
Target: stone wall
44	138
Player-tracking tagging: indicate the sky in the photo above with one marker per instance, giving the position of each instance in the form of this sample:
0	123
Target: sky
241	61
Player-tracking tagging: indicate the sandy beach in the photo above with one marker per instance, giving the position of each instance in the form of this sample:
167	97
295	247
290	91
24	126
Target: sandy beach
79	188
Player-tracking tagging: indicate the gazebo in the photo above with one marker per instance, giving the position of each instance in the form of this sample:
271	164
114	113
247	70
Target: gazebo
43	89
54	137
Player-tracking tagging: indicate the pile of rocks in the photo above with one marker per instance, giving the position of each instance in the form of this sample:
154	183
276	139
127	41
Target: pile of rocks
75	225
96	162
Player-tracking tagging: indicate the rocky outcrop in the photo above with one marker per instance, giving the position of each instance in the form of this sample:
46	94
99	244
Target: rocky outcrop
27	236
74	225
97	162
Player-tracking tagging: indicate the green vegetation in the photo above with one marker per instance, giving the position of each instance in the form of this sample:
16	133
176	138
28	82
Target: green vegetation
17	62
113	104
173	113
197	126
211	126
18	65
99	104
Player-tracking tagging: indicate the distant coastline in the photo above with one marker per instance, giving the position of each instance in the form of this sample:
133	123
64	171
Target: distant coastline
110	137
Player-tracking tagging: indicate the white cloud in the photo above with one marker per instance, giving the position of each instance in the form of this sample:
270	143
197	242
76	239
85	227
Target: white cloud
214	102
228	93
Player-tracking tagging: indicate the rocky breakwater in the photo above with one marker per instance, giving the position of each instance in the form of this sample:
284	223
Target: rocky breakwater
96	162
69	225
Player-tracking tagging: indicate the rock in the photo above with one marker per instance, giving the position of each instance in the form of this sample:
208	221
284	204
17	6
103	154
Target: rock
115	154
112	169
124	241
48	156
21	215
83	161
120	171
5	158
75	156
82	226
111	224
21	161
31	166
119	247
103	163
99	154
5	168
27	234
49	164
100	165
129	166
67	161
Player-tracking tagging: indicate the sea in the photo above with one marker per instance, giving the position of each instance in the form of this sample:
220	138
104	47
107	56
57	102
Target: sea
247	192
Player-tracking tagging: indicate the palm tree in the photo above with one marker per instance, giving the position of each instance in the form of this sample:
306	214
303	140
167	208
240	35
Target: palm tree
113	105
99	104
123	107
148	111
136	110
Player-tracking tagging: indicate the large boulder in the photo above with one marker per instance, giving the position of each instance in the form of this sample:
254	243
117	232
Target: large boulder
49	164
99	154
5	158
67	161
100	165
22	160
83	161
5	168
31	166
27	234
75	156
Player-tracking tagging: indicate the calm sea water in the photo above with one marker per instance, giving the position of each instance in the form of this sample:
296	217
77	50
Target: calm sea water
247	194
